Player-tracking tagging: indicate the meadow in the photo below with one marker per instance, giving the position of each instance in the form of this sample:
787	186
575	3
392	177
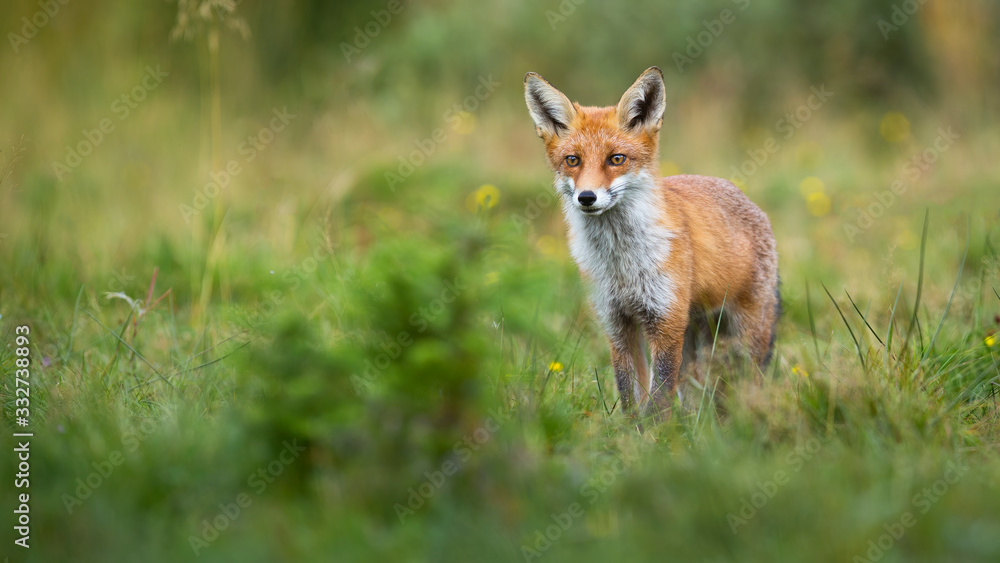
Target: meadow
297	288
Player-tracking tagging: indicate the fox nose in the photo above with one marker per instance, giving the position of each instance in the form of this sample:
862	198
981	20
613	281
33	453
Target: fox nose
587	198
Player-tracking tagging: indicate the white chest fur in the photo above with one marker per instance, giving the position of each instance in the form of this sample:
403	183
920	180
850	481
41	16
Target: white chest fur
622	252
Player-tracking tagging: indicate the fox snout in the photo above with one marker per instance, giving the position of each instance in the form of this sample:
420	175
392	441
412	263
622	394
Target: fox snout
593	201
592	198
588	200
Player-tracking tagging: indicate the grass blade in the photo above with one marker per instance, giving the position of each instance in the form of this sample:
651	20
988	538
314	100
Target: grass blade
711	359
718	323
600	390
206	364
134	351
863	318
920	277
965	394
958	278
812	324
892	322
849	329
72	326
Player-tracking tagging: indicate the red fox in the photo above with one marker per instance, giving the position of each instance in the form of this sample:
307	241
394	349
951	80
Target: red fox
657	252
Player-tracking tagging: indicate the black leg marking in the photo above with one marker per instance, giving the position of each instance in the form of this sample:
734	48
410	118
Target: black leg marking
665	373
624	380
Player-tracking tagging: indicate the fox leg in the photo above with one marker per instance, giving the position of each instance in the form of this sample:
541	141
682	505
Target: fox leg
625	352
666	337
756	321
643	375
698	335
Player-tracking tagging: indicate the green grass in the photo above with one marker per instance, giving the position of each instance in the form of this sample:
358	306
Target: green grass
460	320
334	370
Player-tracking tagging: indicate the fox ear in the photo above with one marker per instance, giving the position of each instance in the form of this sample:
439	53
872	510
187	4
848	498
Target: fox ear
642	105
550	109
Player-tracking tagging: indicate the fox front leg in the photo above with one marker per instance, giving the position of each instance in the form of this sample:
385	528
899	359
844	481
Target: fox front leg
624	339
666	338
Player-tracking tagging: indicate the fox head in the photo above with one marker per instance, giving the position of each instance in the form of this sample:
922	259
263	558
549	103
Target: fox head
599	154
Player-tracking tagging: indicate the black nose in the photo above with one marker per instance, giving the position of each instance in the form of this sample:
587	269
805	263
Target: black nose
587	198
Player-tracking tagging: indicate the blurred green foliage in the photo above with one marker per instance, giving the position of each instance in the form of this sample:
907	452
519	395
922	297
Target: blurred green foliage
405	369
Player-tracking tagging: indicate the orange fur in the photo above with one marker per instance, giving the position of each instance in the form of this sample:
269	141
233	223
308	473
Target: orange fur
655	250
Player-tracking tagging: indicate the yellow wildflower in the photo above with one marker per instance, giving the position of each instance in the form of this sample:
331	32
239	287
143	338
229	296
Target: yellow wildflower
818	204
485	197
547	245
811	185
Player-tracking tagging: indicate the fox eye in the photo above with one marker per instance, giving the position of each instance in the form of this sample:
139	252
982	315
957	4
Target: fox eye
616	160
572	160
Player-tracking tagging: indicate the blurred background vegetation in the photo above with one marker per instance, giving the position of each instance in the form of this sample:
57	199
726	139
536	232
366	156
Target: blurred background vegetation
383	281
